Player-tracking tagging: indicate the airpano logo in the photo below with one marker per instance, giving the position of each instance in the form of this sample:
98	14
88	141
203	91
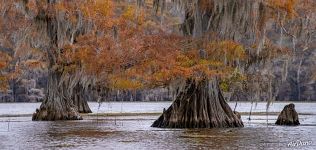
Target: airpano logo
299	143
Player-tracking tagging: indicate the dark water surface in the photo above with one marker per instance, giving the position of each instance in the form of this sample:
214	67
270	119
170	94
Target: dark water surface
134	132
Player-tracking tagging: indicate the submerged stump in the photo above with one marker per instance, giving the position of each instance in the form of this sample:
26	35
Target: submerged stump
199	105
288	116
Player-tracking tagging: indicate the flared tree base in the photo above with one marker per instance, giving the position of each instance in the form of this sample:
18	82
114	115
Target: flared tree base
79	100
200	105
44	114
58	104
82	106
288	116
56	108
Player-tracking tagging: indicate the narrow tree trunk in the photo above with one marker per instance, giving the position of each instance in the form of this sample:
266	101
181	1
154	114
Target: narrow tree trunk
79	100
298	74
57	104
200	105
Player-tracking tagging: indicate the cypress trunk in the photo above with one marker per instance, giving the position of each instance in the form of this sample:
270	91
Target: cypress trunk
288	116
79	100
57	104
199	105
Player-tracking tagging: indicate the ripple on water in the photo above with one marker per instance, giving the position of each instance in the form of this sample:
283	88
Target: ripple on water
126	133
134	132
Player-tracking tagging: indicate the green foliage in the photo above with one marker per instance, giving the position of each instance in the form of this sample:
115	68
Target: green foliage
227	83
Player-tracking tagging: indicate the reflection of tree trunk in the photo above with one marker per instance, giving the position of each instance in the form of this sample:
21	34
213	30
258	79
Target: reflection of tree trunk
200	105
79	100
57	104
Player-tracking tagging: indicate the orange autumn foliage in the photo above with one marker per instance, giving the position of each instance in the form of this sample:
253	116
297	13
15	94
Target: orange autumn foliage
4	76
286	5
135	52
127	48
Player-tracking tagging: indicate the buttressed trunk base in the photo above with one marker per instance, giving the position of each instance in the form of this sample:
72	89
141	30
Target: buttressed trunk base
49	114
200	105
288	116
79	100
57	104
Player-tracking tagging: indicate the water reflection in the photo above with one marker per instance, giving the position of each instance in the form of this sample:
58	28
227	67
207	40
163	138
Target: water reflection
134	132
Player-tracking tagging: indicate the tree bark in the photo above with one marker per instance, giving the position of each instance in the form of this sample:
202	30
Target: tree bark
200	105
79	100
288	116
57	104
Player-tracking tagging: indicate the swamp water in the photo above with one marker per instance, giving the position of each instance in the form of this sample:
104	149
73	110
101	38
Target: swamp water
126	125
